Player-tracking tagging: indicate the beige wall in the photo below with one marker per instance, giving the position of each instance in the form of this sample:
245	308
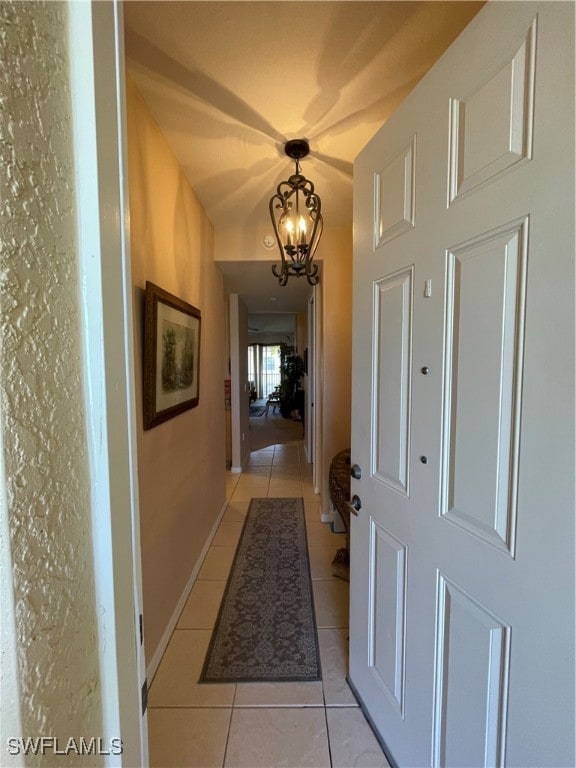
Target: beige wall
336	348
301	332
181	462
45	502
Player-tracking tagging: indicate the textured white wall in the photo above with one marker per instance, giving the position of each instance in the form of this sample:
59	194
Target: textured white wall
41	396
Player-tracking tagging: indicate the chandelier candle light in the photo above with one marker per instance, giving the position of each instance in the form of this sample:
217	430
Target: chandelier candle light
295	211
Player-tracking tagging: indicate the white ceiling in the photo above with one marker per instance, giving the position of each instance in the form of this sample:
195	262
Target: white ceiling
271	328
260	291
230	82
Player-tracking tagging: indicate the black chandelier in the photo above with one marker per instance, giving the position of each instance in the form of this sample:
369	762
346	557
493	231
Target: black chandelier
295	211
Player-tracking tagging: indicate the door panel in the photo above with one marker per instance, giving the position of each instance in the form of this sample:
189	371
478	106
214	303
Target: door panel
388	598
392	356
482	149
394	195
472	670
462	555
485	299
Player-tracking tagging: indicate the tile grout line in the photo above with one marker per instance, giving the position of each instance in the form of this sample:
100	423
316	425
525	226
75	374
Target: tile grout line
191	706
229	726
231	708
224	756
328	735
324	700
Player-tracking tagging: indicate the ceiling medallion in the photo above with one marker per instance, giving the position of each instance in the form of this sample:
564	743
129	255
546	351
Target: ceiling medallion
296	215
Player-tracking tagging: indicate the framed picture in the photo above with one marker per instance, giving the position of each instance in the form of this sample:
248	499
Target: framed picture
171	356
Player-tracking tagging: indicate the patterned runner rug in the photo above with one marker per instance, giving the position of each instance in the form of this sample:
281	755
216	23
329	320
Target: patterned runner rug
266	627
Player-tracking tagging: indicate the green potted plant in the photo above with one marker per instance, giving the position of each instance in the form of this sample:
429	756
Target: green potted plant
291	371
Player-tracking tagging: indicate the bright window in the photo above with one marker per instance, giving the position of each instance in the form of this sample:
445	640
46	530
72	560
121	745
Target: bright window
264	367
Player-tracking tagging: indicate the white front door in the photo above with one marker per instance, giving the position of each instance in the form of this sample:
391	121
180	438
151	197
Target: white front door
462	575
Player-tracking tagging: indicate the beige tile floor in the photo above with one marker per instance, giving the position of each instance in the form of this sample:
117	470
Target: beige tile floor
297	725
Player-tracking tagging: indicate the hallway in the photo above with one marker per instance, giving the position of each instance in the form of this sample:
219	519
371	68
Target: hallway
297	725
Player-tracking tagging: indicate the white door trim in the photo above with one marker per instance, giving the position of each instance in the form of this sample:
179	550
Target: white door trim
317	394
311	373
11	720
233	320
99	130
239	388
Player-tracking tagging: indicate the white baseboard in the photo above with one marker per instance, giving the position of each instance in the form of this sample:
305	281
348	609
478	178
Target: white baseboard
326	515
152	667
236	470
337	524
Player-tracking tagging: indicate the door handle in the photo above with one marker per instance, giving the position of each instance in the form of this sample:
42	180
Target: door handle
356	472
355	505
